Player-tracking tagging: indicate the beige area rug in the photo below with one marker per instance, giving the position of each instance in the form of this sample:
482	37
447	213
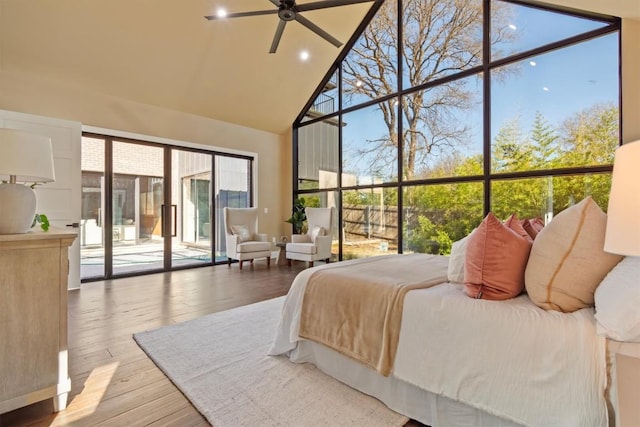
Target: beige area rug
220	363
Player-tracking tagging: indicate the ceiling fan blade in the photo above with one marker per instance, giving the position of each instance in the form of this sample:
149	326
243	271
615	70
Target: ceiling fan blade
276	2
319	31
326	4
277	36
241	14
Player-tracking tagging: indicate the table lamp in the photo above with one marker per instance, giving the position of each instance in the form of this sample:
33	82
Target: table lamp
623	214
25	159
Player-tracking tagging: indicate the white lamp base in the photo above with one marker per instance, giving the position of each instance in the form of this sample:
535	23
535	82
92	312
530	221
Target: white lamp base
17	208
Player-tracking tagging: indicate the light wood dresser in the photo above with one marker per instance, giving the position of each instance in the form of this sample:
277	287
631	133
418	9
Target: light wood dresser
33	318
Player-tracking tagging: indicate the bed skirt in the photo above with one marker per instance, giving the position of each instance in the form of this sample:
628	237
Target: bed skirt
400	396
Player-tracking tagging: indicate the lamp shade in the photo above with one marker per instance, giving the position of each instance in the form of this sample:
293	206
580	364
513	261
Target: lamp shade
25	155
623	214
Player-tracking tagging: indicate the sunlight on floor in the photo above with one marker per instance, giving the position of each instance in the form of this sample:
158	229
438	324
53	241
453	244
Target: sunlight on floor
86	402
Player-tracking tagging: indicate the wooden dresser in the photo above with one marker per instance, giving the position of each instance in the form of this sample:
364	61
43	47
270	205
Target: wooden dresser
33	318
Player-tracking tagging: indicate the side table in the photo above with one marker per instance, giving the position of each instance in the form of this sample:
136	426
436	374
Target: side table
282	253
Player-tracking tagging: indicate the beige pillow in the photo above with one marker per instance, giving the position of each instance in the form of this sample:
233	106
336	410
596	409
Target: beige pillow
567	260
242	231
455	270
317	231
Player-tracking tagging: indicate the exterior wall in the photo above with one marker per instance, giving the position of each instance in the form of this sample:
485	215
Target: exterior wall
318	150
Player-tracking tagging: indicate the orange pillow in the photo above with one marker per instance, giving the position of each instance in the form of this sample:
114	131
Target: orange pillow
518	226
533	226
495	261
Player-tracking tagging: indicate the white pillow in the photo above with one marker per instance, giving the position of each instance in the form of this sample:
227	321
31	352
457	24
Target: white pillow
455	271
242	231
315	232
617	301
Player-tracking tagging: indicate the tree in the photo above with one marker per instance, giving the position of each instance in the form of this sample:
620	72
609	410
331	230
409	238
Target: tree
440	38
511	150
545	143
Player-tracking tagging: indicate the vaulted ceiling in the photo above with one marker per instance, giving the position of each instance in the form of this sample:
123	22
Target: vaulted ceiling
164	53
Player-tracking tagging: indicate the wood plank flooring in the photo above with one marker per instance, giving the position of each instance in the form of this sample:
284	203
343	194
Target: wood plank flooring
113	382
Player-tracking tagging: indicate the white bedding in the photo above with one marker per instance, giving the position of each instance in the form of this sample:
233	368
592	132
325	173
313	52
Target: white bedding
483	353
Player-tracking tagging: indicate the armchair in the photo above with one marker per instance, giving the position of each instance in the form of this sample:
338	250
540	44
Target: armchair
242	237
316	244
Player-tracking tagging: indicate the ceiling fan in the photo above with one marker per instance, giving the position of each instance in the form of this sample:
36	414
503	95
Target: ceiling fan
287	11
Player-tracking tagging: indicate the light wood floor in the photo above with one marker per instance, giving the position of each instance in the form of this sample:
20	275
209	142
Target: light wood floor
113	382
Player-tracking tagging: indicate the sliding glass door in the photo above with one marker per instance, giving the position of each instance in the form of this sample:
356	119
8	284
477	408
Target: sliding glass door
191	208
137	208
149	207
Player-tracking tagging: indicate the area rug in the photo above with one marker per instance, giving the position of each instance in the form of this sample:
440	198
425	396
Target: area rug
220	364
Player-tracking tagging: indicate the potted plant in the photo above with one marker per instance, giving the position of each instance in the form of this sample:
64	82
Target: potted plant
298	217
42	220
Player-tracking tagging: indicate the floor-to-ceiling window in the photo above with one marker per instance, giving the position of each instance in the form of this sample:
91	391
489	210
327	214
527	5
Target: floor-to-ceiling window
443	110
148	207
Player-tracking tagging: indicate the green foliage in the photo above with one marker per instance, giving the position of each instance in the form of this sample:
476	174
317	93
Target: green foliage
298	216
428	238
42	220
445	213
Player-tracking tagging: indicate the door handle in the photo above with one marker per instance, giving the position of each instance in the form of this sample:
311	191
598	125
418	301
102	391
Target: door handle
74	225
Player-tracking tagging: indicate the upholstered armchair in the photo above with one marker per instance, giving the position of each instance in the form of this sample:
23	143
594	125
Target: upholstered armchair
316	243
242	237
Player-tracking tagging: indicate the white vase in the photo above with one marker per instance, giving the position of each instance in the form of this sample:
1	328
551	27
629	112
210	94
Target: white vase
17	208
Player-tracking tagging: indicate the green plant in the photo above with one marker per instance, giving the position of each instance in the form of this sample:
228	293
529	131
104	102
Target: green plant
298	217
42	220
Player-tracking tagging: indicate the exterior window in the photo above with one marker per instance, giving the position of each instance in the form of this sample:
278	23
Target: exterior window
435	216
546	196
442	130
365	76
370	222
370	145
450	109
546	118
440	38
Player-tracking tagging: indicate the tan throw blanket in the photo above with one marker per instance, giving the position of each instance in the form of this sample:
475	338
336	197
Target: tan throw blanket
356	309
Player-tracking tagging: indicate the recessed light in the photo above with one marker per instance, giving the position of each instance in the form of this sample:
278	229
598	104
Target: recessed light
304	55
221	13
532	63
513	27
546	89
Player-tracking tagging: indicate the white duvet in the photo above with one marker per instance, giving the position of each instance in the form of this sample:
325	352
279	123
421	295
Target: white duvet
509	358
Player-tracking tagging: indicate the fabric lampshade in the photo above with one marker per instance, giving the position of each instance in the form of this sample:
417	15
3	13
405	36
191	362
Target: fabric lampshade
25	158
623	215
25	155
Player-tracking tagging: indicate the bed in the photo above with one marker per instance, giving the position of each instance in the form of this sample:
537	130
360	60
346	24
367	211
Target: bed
455	383
460	361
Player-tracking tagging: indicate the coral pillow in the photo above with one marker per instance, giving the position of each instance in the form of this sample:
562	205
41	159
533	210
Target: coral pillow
518	226
533	226
495	261
567	260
